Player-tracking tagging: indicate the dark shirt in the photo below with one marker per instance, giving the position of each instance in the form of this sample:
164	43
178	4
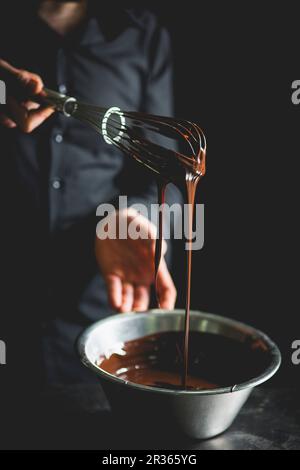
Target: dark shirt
55	177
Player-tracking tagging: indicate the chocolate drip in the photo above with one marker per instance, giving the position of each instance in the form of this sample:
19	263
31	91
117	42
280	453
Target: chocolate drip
191	186
185	173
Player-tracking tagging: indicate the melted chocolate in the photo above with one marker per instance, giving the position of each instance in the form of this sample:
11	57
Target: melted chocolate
185	173
191	186
191	181
157	361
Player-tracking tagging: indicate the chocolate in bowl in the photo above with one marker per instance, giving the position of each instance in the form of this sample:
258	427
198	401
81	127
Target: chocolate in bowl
157	360
197	413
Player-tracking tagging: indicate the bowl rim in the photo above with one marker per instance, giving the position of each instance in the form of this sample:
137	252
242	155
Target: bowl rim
275	362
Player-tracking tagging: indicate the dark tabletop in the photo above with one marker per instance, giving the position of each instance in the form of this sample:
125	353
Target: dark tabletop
78	417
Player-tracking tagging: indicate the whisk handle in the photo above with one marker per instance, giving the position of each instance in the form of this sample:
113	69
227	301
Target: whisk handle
65	104
52	95
62	103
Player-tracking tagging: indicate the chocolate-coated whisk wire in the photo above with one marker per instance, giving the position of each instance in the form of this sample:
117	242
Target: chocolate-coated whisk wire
138	134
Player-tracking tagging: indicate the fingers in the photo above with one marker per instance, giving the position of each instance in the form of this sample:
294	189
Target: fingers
114	291
141	298
28	116
7	122
127	297
32	82
135	298
22	75
165	287
30	105
35	118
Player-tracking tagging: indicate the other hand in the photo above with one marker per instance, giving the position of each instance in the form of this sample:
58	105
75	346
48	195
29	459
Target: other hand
128	265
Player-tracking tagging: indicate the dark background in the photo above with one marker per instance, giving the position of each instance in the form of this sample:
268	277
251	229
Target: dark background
234	65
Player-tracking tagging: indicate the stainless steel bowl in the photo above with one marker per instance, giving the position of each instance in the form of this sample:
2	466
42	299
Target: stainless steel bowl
198	414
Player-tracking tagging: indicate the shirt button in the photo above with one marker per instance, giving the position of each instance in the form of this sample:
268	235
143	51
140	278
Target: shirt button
56	184
58	138
62	89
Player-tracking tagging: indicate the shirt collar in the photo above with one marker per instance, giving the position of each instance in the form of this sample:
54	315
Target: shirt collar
101	25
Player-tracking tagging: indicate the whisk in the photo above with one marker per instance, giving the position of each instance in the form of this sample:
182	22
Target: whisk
148	138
